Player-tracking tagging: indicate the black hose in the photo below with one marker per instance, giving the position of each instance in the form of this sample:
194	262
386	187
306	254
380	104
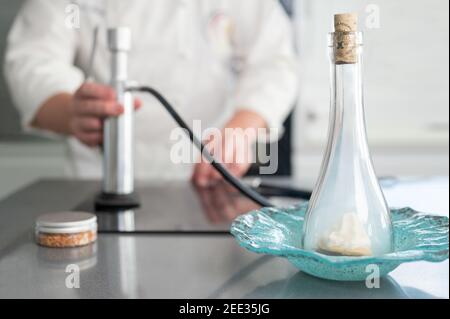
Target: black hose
244	189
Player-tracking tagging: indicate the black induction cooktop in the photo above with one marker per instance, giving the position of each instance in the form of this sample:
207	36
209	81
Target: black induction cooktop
174	207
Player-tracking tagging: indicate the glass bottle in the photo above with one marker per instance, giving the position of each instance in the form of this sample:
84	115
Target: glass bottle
348	214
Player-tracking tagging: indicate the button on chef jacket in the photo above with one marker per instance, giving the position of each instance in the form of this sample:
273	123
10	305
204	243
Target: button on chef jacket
210	58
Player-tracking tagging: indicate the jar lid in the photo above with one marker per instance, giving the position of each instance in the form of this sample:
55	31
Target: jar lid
66	222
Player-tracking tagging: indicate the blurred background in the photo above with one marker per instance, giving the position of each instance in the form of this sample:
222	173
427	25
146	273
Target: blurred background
406	87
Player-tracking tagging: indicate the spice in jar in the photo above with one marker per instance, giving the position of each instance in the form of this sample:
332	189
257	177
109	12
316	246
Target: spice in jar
66	229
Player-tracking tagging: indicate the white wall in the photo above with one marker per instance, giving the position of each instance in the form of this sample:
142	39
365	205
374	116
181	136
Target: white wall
22	162
406	84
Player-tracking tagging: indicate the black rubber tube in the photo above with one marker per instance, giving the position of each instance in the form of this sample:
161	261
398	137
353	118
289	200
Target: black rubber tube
244	189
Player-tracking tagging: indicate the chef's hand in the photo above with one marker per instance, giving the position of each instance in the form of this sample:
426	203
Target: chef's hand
233	150
89	106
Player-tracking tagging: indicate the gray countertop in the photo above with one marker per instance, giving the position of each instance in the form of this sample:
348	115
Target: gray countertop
185	263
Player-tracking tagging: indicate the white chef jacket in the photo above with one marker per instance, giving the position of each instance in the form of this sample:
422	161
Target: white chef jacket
208	57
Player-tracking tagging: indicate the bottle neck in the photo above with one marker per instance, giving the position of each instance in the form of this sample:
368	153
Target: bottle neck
347	106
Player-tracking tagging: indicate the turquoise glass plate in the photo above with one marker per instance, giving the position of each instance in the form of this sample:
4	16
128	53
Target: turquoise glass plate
275	231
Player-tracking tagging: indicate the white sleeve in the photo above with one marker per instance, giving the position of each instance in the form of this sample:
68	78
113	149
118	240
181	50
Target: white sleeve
40	55
268	81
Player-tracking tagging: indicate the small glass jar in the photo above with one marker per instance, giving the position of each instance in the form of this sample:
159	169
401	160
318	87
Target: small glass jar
66	230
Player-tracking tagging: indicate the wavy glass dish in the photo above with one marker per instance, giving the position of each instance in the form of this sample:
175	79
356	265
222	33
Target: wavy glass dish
276	231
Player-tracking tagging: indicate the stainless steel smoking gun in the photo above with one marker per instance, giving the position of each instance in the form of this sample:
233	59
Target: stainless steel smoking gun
118	144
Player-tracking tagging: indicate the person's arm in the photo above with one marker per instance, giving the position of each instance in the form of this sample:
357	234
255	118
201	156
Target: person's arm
39	62
81	114
266	88
54	115
238	136
45	85
268	79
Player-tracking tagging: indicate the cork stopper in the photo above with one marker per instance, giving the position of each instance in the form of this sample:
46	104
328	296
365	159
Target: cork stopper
345	38
346	22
